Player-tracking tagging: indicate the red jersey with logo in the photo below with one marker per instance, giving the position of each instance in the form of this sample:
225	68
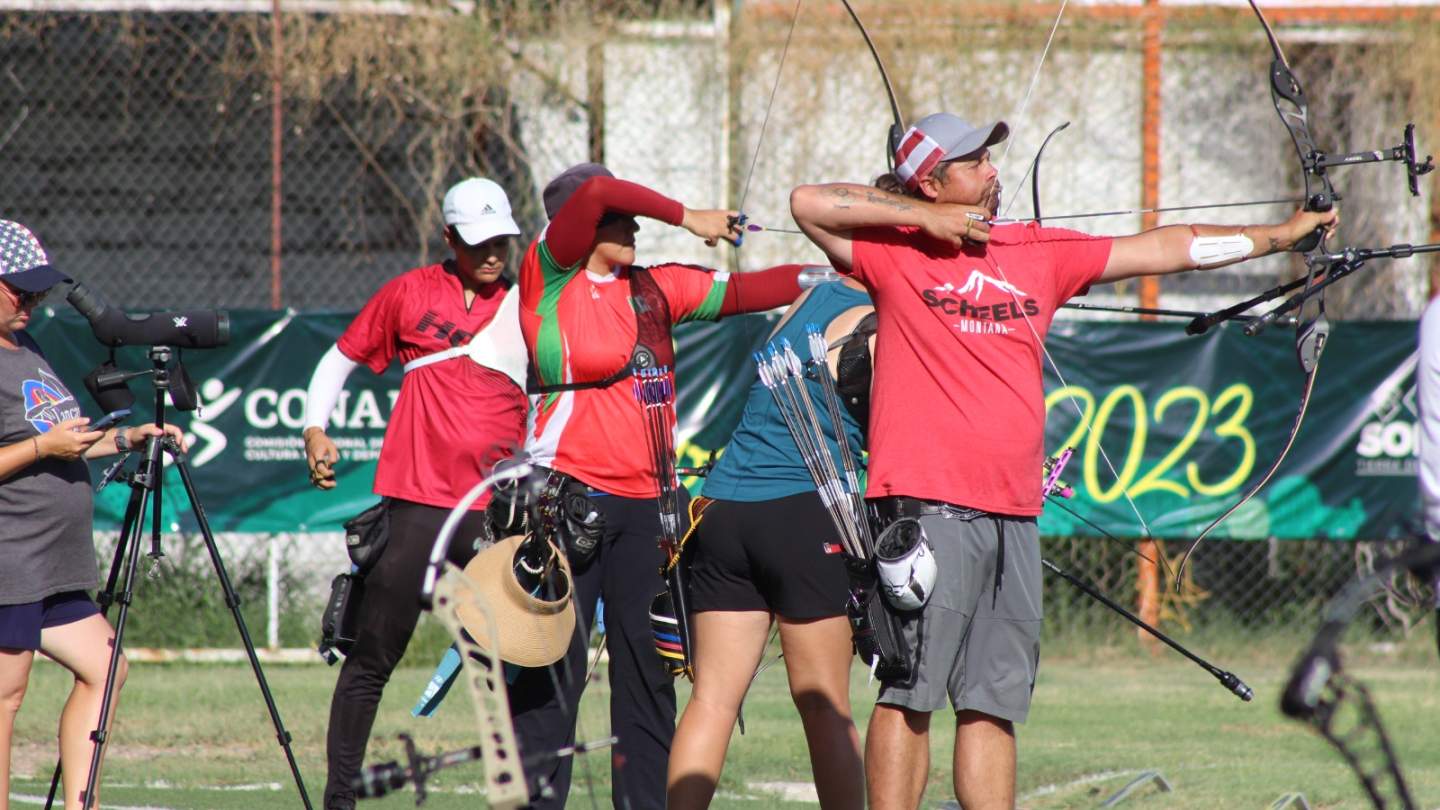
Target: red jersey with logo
453	419
580	327
957	411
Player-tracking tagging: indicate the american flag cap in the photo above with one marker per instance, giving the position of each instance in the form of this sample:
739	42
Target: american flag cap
23	262
941	137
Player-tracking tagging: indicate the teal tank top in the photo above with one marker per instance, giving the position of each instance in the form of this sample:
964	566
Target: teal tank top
762	462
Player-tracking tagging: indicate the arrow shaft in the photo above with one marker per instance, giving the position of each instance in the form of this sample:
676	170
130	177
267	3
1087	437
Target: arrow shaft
1197	207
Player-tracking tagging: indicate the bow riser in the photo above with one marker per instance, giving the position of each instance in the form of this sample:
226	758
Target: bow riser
505	787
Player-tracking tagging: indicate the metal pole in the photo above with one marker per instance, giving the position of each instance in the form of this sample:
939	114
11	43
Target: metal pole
277	124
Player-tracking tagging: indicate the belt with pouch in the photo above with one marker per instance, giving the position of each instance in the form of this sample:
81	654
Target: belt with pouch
896	507
902	506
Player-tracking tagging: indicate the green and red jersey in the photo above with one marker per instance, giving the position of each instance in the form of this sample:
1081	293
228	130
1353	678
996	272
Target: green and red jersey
581	327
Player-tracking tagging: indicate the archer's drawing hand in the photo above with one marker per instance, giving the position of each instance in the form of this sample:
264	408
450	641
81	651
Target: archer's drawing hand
713	225
320	455
958	224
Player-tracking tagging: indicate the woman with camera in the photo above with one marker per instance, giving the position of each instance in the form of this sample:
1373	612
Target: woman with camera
47	552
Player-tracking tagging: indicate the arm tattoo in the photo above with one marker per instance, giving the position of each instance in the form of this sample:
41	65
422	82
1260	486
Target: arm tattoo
846	198
1275	246
887	201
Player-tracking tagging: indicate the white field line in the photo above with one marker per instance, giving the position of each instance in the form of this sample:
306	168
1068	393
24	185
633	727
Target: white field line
25	798
1087	779
787	791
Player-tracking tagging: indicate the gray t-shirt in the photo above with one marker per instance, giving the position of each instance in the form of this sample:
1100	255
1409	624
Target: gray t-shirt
46	542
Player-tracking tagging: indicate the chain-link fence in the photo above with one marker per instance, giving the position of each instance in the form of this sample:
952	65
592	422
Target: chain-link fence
139	145
1235	592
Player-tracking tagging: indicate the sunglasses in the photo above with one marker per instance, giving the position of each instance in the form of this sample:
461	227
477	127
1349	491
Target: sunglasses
24	299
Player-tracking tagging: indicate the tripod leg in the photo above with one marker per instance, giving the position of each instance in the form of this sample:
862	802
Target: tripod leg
106	597
135	515
233	601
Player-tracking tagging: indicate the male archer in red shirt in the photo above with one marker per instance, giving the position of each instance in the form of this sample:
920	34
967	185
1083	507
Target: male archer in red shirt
963	309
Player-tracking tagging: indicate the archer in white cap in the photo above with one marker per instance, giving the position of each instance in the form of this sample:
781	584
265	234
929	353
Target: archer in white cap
963	309
455	328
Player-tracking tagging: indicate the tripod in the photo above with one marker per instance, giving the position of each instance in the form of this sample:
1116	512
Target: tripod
145	481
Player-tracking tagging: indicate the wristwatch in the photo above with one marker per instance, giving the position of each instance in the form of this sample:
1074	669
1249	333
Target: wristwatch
122	442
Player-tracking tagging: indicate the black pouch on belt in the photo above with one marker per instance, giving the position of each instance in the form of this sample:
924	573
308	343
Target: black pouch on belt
565	514
366	536
338	622
874	628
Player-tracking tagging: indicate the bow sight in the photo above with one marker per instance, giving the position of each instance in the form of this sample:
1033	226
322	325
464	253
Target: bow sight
1404	152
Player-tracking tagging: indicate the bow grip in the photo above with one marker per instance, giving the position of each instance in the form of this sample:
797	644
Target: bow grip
1319	201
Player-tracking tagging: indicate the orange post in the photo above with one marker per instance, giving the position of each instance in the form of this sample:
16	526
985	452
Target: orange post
1147	580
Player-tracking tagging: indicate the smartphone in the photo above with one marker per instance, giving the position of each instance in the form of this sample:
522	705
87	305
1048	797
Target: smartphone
108	420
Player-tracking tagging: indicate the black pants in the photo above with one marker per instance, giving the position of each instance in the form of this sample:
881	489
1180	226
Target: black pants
388	613
544	701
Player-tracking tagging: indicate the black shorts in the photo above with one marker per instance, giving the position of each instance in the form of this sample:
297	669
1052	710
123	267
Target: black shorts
20	625
781	555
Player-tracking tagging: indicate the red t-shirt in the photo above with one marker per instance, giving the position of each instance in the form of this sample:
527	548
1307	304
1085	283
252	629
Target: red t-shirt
580	327
453	419
957	411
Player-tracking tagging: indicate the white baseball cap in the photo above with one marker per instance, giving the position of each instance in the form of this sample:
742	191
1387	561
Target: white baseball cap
479	210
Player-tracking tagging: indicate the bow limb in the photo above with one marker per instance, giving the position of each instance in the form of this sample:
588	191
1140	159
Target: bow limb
1312	330
505	787
897	125
1033	173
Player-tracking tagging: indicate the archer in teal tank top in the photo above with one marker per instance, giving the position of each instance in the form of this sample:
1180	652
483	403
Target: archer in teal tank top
761	462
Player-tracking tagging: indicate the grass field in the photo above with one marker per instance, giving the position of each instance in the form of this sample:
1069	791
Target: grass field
197	736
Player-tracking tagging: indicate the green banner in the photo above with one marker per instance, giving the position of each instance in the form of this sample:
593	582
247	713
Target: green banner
1182	426
1190	424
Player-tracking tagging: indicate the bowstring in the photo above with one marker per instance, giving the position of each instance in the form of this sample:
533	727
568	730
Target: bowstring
765	122
1025	101
1010	143
1065	386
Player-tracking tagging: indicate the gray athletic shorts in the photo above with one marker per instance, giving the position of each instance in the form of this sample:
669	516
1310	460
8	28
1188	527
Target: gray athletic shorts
977	644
